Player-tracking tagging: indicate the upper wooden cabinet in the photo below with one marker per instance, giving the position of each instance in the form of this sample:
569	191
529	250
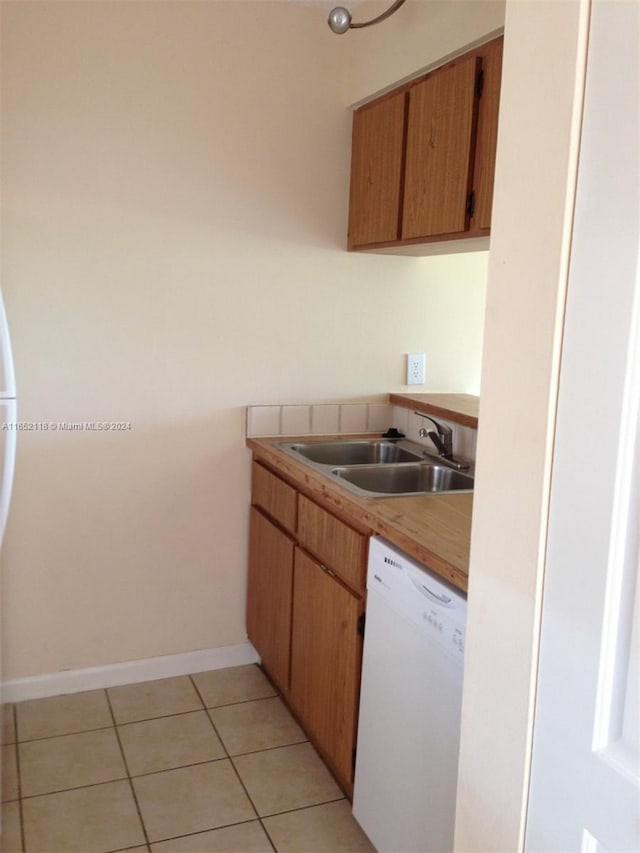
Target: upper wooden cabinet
442	118
377	152
487	135
423	156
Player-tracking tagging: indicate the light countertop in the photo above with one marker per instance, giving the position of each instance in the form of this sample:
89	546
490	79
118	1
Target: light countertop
459	408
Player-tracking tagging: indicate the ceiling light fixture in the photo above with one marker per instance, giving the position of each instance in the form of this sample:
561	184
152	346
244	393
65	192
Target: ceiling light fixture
340	18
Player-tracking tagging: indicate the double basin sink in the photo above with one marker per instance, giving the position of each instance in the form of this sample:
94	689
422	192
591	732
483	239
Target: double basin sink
380	467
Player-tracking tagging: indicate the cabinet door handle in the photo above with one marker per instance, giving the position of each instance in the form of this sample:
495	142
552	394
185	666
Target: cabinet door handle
471	204
327	570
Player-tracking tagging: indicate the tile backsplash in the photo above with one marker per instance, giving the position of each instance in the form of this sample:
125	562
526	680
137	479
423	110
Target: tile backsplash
318	419
295	420
348	418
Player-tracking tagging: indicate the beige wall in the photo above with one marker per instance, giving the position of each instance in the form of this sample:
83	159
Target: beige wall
175	189
541	98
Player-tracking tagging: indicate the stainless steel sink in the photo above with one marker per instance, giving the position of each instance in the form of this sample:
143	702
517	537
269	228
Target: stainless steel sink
355	452
404	479
380	468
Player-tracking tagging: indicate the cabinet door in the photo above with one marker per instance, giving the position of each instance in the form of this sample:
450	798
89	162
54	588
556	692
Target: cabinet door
442	118
376	171
487	136
325	662
269	596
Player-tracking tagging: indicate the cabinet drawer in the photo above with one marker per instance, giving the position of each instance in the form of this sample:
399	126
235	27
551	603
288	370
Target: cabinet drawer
274	496
334	543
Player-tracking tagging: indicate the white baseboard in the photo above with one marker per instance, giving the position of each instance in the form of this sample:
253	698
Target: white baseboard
129	672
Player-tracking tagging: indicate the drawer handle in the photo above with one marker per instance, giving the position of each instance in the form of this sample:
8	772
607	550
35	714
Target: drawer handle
327	570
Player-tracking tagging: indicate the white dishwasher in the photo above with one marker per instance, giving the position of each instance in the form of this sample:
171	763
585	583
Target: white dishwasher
410	700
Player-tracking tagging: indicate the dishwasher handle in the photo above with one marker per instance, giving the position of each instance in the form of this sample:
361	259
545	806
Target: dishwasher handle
437	598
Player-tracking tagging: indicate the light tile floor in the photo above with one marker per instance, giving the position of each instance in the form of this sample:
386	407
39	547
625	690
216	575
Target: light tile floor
194	764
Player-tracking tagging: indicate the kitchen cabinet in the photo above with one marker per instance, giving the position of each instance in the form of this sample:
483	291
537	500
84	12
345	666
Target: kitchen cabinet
276	498
333	542
423	156
305	604
487	134
270	584
272	522
377	152
326	655
439	149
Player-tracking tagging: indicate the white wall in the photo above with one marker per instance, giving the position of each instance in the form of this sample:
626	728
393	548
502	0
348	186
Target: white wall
174	221
540	108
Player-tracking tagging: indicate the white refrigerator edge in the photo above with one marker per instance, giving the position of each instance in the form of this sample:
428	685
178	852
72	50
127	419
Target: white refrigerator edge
8	424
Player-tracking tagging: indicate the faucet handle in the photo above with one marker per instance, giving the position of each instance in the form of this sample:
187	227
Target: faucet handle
443	438
443	429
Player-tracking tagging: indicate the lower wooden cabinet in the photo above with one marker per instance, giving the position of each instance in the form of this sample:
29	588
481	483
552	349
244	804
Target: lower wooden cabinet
304	602
333	543
269	595
326	658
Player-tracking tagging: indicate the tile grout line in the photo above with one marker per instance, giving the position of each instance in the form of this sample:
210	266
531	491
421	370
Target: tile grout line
126	767
66	734
304	808
195	833
271	748
178	767
159	717
262	818
74	788
14	711
178	713
266	832
124	849
241	702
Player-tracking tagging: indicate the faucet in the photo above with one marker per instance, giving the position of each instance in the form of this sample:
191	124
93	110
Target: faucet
442	437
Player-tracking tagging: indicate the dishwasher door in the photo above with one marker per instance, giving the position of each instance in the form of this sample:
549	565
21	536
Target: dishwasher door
410	702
